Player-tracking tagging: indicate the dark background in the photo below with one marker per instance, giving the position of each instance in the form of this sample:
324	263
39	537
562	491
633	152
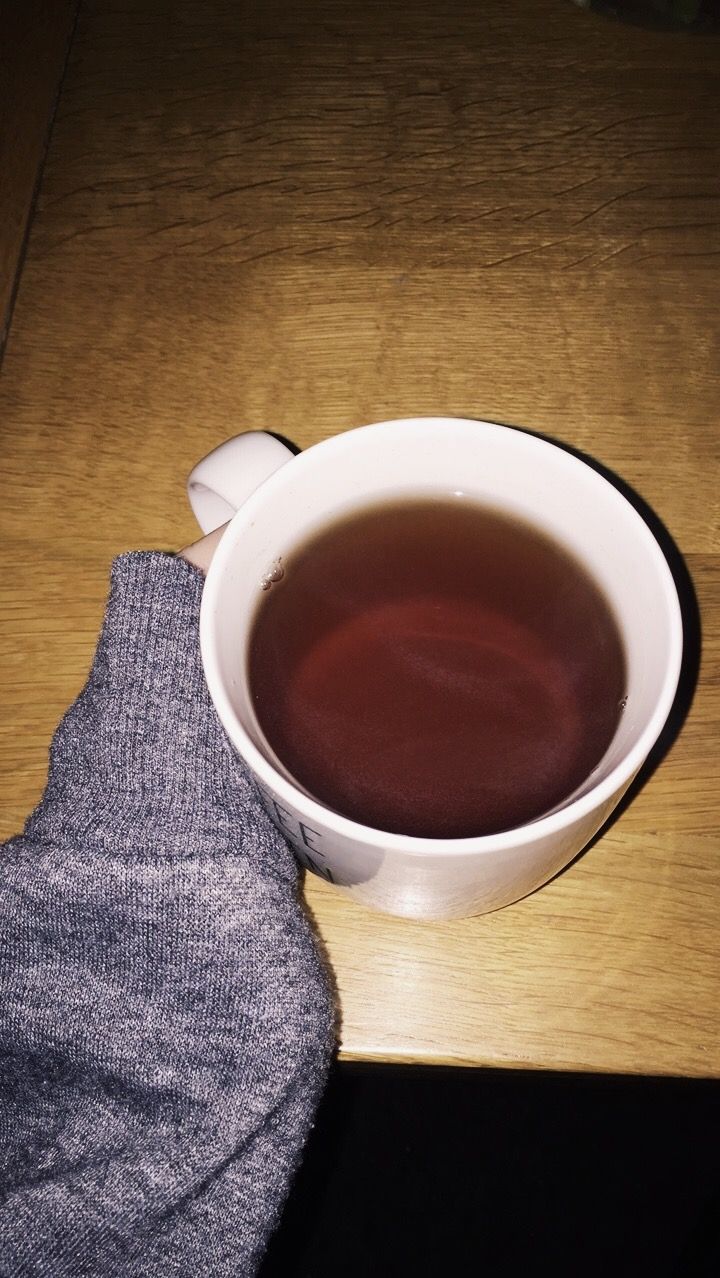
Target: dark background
427	1170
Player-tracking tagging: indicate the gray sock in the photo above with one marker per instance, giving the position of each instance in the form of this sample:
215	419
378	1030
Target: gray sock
165	1020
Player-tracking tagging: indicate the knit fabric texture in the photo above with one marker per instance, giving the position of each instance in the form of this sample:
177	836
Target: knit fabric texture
166	1024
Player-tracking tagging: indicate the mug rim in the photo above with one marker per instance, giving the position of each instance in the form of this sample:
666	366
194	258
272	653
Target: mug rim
550	824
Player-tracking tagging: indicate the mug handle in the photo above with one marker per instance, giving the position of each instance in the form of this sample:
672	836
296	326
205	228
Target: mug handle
222	481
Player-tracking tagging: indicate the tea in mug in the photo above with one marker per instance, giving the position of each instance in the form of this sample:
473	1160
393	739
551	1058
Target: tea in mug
436	667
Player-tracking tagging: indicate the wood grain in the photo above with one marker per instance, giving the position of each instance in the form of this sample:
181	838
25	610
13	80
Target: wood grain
34	39
308	217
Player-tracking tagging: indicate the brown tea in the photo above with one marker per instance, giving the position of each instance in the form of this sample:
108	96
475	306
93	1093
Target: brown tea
434	667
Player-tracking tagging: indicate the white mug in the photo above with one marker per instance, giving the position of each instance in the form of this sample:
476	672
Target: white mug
276	500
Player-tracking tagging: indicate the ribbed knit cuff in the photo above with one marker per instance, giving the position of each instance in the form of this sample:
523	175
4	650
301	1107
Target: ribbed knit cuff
142	748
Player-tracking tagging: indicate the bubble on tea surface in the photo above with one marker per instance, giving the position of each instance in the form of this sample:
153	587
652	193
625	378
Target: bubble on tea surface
275	573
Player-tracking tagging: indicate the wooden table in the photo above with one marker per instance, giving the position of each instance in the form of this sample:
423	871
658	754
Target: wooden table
312	216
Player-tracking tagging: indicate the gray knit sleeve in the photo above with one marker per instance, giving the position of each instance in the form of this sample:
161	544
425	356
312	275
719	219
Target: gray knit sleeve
165	1019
